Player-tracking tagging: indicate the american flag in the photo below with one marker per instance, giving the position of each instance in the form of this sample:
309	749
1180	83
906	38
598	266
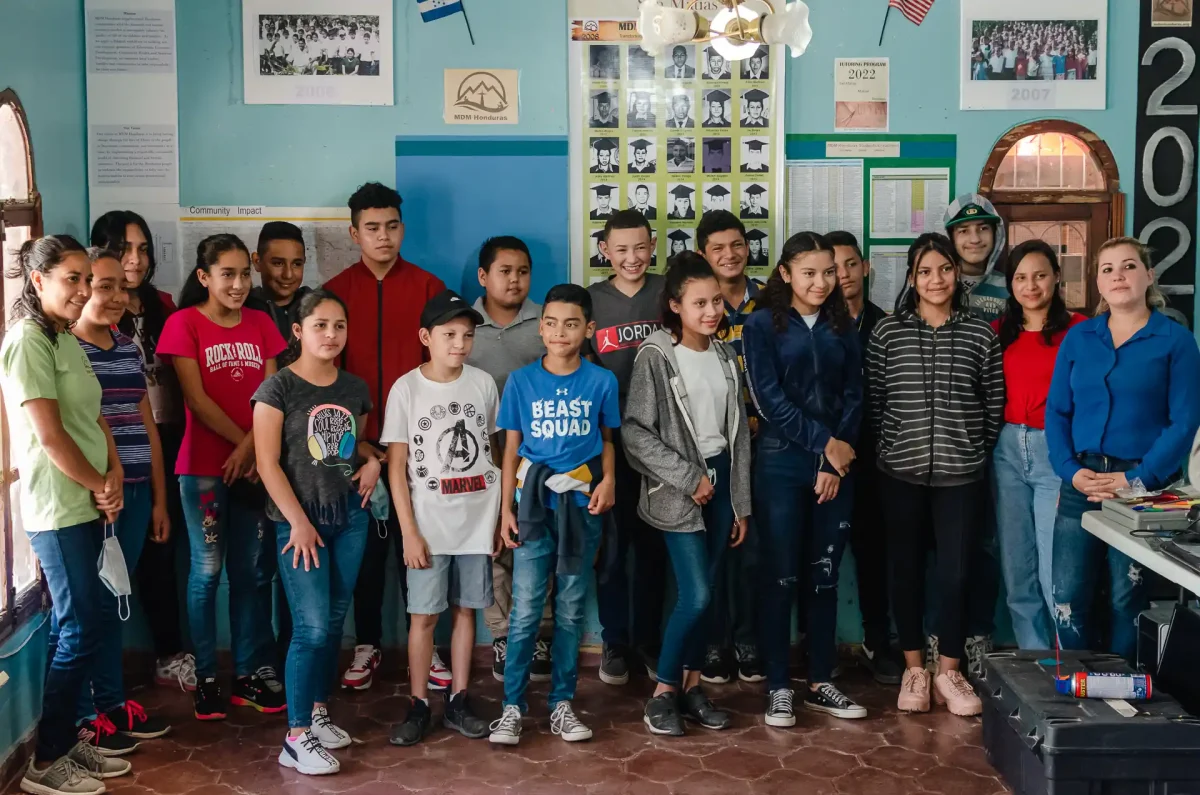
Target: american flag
913	10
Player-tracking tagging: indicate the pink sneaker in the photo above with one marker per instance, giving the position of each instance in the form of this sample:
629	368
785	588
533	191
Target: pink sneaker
914	691
956	693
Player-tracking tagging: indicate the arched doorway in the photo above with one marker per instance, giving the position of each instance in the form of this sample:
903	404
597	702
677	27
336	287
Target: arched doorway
1058	181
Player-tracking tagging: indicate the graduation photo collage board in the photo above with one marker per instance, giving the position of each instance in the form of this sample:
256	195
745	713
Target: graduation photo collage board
674	136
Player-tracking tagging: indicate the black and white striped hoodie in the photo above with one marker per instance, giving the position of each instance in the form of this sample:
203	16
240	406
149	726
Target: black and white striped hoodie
936	397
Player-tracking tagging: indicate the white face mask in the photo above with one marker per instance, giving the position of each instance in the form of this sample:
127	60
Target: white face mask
113	572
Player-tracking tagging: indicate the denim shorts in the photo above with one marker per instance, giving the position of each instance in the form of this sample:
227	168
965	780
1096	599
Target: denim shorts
461	580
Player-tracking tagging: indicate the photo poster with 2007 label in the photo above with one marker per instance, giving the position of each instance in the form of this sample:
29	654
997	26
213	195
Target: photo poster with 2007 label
673	134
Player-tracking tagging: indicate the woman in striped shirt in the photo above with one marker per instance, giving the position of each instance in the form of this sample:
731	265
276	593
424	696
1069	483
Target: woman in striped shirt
935	383
119	723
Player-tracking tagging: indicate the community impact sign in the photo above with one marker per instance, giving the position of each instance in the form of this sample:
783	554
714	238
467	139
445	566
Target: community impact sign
481	96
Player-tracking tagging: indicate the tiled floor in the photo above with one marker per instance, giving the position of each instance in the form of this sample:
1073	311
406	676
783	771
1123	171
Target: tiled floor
887	754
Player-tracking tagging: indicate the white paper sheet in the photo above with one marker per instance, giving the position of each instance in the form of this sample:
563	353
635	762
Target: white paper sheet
888	267
824	195
908	202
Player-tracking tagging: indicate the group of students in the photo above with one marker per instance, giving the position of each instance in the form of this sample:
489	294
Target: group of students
741	434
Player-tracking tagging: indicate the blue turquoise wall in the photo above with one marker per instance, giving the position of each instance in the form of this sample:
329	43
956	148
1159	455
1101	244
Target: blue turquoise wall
23	659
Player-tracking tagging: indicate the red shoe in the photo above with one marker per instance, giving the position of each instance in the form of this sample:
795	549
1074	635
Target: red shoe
439	674
361	672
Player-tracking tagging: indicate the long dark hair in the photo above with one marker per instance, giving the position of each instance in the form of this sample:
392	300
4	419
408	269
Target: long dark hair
1012	322
208	252
308	305
42	255
777	295
939	244
681	269
109	232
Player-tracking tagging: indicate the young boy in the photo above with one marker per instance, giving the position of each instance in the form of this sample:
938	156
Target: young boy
507	340
721	238
385	294
279	261
626	311
441	421
558	414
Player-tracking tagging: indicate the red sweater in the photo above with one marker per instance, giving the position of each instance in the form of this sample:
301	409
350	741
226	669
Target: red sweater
1028	368
385	316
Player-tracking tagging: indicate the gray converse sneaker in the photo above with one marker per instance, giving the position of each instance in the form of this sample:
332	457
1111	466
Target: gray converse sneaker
64	776
564	723
506	730
96	764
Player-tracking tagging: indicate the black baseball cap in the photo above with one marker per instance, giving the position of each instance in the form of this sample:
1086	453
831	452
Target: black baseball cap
444	307
972	212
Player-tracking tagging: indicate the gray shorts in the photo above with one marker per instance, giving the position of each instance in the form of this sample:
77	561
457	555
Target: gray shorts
460	580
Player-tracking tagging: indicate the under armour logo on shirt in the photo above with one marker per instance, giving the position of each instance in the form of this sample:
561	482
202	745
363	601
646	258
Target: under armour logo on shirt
561	391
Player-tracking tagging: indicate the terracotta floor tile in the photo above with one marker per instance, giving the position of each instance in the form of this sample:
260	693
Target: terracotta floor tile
869	781
627	784
820	762
177	777
901	761
545	785
969	757
741	764
421	774
709	783
662	766
789	782
955	781
847	740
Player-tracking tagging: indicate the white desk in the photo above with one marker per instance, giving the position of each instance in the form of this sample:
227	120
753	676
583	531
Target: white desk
1139	549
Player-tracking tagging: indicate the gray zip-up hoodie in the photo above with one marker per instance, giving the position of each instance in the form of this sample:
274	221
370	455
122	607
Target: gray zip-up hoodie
660	438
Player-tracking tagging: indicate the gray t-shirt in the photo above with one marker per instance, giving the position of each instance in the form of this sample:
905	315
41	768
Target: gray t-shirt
320	439
500	350
622	323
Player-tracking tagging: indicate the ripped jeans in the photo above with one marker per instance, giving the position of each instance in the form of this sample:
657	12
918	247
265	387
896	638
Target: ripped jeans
1079	560
800	545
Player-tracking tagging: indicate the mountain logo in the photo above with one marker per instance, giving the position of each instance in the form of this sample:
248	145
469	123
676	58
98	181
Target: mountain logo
482	91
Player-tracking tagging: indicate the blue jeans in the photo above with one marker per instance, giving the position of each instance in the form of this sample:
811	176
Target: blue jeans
318	600
106	689
1026	497
68	558
272	648
1079	557
799	540
697	559
534	562
221	533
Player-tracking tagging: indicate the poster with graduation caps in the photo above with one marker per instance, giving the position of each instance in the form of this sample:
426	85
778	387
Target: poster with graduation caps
672	135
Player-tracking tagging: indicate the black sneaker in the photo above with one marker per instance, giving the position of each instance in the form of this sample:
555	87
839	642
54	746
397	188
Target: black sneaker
131	719
100	733
614	667
500	651
717	670
649	661
881	660
694	705
540	670
750	667
415	726
264	694
828	699
459	716
209	700
779	708
662	715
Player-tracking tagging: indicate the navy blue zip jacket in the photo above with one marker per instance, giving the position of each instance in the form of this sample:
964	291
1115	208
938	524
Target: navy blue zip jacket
807	384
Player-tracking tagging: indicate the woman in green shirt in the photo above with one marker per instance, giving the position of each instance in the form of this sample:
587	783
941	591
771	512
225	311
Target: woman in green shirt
69	476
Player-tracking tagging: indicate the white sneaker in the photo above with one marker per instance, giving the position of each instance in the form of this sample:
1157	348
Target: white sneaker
178	670
439	675
361	672
324	730
506	730
306	755
564	723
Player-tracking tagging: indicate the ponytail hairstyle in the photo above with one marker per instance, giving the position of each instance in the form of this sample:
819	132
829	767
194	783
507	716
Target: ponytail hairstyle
109	232
1154	296
1012	322
940	244
42	255
684	267
308	304
207	253
777	295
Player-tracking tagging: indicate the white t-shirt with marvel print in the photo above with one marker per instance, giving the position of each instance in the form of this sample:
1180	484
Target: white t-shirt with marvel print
455	486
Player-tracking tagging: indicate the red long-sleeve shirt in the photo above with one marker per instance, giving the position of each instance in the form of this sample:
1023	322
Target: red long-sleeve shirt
385	317
1028	368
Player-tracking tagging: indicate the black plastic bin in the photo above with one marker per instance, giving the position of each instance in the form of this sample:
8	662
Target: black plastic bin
1042	742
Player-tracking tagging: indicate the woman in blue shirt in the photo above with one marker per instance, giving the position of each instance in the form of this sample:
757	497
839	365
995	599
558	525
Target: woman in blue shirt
1123	407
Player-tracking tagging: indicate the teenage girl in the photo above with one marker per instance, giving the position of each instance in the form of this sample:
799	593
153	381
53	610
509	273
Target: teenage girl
1123	407
1033	325
306	421
221	353
935	380
70	479
127	234
117	364
685	430
804	366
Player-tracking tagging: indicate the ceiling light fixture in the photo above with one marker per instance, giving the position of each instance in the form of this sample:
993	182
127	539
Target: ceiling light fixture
736	32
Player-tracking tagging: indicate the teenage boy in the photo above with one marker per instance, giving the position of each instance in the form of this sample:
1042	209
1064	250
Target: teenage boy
385	294
867	539
626	311
507	340
558	413
721	238
439	429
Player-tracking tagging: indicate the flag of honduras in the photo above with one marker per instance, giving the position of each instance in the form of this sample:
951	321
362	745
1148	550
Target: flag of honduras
436	9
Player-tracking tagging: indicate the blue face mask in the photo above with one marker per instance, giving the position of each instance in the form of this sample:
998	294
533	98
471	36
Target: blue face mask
381	507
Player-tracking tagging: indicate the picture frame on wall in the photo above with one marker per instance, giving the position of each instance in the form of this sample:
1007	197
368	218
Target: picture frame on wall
318	52
1033	55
